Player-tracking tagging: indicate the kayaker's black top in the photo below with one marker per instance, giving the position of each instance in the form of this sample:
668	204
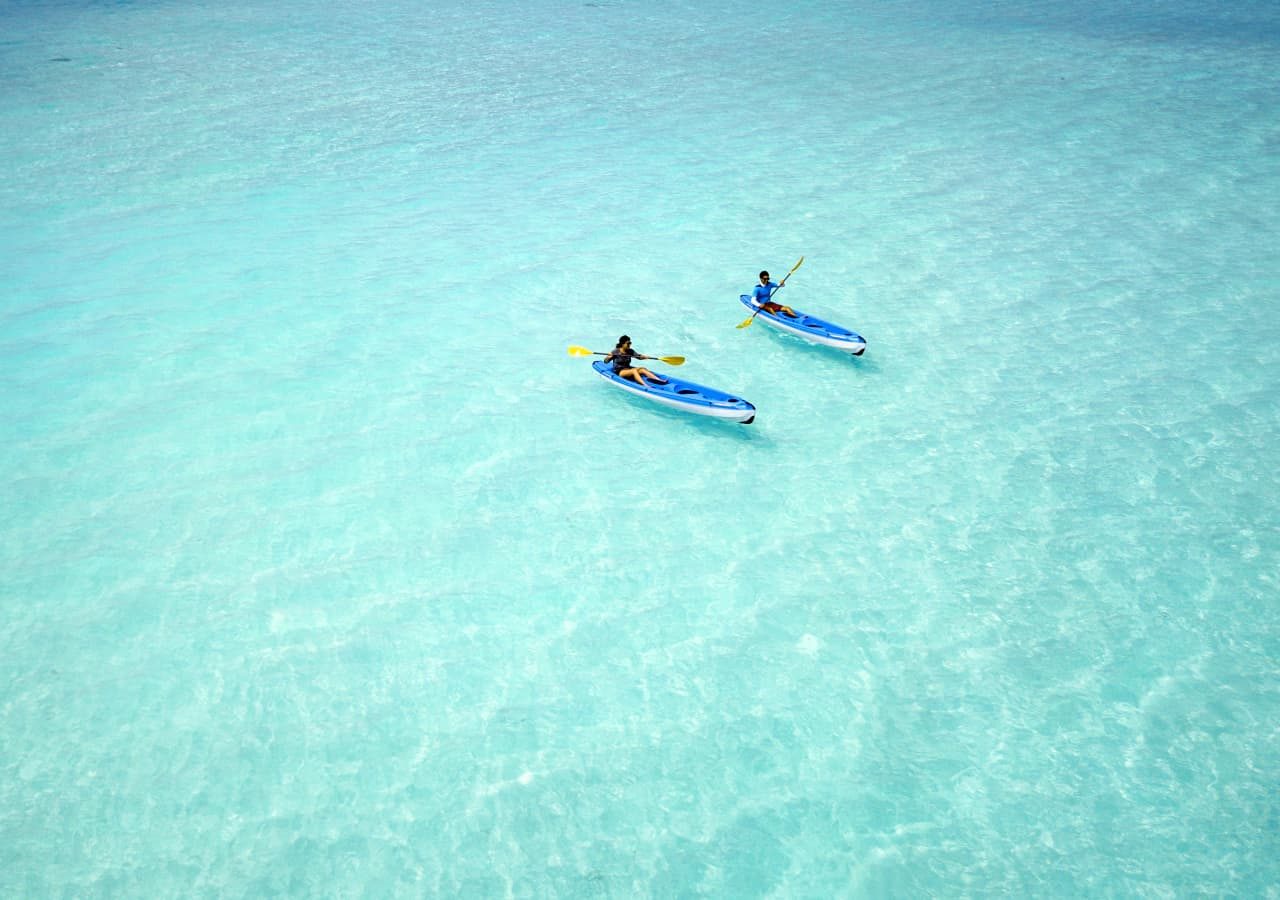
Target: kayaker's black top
621	359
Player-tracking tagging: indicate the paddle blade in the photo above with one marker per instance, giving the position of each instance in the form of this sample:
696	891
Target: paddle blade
746	322
792	272
581	351
672	360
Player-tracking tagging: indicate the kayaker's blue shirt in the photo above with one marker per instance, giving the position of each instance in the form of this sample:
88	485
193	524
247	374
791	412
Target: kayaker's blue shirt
763	292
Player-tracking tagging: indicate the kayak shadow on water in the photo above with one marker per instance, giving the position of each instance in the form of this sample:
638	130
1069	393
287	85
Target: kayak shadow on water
866	362
684	421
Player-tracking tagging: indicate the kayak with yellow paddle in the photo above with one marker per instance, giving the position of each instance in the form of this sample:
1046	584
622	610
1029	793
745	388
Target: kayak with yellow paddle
811	328
676	392
792	321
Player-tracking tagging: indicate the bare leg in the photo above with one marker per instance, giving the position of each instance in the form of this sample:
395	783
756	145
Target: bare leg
637	375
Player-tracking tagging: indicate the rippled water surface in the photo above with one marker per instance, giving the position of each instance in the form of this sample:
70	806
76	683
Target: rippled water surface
326	571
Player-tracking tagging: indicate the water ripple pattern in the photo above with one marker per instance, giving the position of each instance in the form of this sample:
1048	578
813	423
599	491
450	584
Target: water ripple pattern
325	571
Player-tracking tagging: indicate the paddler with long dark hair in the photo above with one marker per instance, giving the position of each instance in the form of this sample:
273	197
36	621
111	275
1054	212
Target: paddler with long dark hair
622	355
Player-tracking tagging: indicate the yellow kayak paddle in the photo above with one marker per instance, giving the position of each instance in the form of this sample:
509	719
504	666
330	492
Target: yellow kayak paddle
669	360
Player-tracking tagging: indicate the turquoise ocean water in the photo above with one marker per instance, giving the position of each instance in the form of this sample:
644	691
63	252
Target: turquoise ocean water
325	571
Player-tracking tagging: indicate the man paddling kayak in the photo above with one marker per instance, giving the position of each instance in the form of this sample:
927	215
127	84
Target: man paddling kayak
621	356
764	291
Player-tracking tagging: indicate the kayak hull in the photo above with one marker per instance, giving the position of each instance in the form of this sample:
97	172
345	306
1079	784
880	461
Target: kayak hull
811	328
683	395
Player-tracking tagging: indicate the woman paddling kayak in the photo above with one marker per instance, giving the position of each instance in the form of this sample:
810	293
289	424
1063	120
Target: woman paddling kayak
620	357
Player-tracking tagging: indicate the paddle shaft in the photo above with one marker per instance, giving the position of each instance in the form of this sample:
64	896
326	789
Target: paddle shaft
669	360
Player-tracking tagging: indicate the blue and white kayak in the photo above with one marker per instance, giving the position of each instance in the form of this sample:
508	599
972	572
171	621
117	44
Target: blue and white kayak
680	394
810	328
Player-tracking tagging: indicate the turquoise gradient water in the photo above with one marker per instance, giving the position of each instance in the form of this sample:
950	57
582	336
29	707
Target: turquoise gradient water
325	571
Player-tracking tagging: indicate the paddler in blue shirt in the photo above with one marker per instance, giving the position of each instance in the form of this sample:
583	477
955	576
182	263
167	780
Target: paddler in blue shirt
621	357
764	291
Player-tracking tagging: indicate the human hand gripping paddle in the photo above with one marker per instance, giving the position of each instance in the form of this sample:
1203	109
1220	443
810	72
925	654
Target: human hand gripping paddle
781	285
669	360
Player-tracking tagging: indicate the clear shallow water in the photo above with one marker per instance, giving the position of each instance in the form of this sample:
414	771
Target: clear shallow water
326	571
